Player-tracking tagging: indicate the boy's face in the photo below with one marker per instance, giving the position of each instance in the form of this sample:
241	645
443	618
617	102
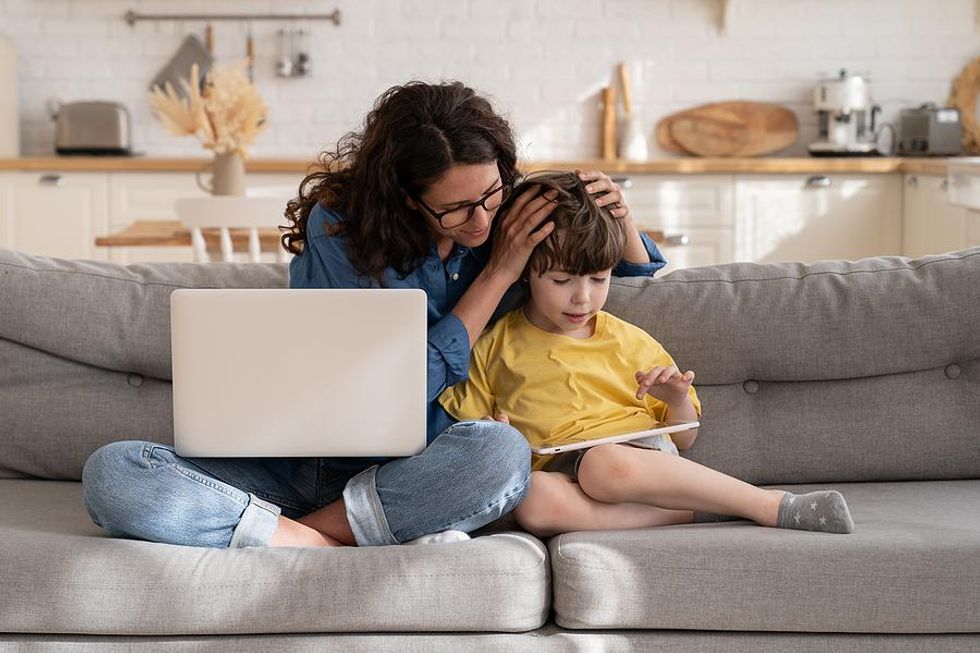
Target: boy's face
565	303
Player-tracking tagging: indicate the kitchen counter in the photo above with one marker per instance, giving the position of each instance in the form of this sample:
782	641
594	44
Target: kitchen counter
672	166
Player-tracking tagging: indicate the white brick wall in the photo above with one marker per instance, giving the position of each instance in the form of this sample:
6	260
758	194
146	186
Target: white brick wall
543	61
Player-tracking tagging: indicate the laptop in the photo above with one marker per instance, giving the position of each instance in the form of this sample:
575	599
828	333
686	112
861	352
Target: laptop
299	372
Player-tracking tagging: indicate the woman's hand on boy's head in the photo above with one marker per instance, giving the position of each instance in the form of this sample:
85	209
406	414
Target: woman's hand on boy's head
612	193
665	383
521	229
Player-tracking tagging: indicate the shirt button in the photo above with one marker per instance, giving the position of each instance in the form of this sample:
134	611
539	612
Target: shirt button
455	276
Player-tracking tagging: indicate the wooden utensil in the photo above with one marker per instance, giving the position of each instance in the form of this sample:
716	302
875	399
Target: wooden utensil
709	136
609	123
250	53
624	82
722	129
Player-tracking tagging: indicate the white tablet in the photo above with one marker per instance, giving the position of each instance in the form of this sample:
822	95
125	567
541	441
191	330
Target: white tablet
584	442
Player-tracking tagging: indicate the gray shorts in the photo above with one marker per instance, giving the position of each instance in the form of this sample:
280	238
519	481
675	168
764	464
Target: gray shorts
568	462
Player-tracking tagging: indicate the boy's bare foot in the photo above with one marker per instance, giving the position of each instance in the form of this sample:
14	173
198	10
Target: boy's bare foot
293	533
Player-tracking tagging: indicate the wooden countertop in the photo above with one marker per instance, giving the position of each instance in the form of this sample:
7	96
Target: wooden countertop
691	165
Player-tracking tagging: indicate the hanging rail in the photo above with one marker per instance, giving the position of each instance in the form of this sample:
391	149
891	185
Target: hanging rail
133	17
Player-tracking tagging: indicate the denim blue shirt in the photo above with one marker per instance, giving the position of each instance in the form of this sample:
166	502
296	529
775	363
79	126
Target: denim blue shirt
324	263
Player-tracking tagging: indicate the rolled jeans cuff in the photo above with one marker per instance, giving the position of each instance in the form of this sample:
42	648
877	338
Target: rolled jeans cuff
365	513
257	524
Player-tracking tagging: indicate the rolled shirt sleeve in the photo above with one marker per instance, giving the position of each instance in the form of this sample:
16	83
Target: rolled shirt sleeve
631	269
449	355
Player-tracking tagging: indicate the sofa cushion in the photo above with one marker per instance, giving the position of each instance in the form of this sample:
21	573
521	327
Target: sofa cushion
85	354
57	411
61	574
833	371
109	315
910	566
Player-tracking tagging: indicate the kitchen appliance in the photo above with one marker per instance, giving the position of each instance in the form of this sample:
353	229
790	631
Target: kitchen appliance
99	128
9	105
929	130
846	117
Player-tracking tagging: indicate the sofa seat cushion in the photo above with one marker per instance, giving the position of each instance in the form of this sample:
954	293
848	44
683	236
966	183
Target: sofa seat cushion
910	566
61	574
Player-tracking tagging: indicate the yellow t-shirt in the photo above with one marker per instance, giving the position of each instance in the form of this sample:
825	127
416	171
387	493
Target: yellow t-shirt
553	387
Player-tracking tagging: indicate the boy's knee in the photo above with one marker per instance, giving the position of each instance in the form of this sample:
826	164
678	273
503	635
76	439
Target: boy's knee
604	469
537	512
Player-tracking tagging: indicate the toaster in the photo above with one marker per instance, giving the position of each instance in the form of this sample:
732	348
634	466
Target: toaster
929	130
101	128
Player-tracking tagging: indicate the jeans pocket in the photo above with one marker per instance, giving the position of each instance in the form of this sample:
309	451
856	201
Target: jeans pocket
212	483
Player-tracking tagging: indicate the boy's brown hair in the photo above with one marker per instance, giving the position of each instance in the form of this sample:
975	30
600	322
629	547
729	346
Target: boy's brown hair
587	238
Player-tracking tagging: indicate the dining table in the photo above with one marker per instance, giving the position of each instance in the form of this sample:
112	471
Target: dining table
172	233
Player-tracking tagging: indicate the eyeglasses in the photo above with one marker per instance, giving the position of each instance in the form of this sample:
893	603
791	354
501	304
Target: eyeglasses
463	213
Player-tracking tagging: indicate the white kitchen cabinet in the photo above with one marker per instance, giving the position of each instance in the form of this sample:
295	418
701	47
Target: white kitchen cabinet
812	217
56	214
694	212
972	231
930	223
148	196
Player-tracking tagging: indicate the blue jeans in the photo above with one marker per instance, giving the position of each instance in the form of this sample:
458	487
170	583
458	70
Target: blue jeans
471	474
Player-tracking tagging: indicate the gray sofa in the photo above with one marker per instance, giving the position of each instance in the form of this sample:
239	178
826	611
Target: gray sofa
864	376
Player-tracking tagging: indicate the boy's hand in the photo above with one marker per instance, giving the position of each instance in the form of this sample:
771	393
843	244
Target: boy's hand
664	383
501	417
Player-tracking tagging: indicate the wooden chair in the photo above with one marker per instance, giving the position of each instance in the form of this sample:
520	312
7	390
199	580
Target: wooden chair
231	212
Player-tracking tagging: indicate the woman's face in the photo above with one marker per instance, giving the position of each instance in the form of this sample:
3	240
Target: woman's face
463	184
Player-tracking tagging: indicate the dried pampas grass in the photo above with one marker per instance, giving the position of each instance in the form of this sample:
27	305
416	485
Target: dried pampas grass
225	115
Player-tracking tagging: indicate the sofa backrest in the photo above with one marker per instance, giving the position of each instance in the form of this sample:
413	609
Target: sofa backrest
85	354
836	371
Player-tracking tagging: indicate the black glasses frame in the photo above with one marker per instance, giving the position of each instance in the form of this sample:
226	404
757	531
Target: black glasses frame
469	206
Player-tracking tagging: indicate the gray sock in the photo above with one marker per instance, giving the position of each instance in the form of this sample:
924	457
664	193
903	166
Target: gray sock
824	511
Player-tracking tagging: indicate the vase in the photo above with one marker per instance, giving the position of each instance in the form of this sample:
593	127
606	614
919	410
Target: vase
227	175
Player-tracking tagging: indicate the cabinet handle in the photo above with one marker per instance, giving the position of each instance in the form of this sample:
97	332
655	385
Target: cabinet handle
818	181
676	240
51	180
944	184
912	181
624	182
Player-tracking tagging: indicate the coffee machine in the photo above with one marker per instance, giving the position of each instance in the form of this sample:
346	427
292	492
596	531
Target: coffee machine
847	117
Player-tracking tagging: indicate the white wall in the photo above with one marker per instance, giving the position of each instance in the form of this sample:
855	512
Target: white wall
542	61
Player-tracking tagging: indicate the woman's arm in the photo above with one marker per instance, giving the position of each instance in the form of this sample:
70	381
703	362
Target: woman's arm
642	257
517	236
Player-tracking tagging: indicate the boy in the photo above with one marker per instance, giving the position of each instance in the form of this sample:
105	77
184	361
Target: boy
561	367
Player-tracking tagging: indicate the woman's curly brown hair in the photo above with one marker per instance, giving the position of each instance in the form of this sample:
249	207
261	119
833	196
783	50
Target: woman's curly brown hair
411	137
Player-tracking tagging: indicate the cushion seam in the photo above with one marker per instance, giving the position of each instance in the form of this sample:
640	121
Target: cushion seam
667	279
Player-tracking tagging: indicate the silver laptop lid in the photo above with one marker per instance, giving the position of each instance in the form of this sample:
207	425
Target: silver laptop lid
298	372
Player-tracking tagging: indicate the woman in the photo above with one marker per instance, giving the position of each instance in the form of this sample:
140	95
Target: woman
407	202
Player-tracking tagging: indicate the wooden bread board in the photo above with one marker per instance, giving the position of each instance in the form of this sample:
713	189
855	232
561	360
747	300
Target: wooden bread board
724	129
